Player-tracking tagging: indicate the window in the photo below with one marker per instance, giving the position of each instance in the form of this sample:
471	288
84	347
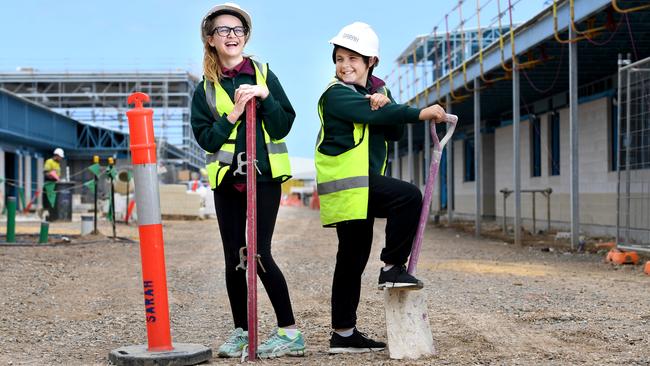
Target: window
536	148
469	159
425	169
554	143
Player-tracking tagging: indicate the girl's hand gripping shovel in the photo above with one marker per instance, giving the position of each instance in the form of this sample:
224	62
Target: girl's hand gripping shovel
407	319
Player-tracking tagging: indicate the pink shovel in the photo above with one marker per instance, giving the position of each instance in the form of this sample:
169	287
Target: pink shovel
407	319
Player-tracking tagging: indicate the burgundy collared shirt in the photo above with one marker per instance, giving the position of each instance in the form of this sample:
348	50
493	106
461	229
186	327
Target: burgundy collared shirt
245	67
374	84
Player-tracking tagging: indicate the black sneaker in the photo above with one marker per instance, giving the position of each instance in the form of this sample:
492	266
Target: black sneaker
397	277
356	343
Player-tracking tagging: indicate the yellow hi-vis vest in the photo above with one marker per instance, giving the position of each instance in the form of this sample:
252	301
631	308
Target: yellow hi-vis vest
342	180
219	162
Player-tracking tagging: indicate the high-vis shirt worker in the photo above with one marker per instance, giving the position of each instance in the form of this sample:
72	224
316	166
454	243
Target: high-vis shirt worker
351	145
223	141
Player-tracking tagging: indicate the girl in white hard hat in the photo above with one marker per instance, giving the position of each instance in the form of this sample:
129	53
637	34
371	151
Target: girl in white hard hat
231	79
358	117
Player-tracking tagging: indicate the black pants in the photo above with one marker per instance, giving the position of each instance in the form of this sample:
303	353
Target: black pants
230	205
398	201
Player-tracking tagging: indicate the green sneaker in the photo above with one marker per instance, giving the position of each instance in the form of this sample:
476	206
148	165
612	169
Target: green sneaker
279	344
233	346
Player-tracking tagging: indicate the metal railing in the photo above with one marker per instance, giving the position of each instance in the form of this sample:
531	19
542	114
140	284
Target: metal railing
544	192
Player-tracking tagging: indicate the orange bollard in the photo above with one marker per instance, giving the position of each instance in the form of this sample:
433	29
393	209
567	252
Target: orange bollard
160	349
646	268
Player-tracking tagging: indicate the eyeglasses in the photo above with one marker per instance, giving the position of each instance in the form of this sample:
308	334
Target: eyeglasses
224	31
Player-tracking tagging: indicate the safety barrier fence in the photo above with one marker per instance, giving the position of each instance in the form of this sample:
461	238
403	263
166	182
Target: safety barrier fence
49	187
633	155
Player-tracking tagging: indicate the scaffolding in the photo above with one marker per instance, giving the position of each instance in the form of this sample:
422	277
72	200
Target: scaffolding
633	168
437	55
99	98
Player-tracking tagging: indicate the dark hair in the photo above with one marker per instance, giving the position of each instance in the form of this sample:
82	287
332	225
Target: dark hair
366	59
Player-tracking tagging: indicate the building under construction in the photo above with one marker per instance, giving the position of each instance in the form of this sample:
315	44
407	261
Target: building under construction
554	128
84	113
99	99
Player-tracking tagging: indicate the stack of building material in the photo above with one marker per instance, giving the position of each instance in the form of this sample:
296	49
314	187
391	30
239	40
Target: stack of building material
177	202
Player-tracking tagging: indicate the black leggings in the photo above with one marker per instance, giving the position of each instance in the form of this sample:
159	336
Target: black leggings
398	201
230	205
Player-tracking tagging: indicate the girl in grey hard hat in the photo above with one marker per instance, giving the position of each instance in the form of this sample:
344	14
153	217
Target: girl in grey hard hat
358	117
218	109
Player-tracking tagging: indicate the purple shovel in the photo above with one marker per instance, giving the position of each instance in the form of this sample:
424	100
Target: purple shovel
451	121
407	316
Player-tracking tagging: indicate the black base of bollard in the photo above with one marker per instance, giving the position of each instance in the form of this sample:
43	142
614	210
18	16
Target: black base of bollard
182	354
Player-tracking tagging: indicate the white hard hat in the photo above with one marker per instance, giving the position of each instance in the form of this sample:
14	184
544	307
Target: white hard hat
226	8
59	152
358	37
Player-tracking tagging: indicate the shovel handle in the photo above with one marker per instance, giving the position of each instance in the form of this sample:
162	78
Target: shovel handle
251	226
438	145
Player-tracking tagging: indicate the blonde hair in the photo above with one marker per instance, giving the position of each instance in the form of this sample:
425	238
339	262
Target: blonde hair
211	63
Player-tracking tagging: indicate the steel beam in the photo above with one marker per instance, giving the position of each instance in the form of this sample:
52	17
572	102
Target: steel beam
427	130
450	169
477	156
516	158
573	137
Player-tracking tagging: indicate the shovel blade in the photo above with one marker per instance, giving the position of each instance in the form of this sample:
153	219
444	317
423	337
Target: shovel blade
407	324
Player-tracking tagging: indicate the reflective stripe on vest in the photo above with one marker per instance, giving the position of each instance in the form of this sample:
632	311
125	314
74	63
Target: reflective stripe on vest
221	155
342	180
218	164
342	184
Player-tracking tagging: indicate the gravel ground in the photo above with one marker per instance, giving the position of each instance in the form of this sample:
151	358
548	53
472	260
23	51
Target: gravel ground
490	302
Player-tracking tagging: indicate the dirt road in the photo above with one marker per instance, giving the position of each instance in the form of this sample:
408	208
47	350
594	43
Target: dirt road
489	302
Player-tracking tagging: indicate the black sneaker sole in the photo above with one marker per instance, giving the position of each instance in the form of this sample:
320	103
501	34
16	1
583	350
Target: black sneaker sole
338	350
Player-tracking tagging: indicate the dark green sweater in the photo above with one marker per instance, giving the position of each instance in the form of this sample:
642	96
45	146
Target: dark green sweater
342	107
275	110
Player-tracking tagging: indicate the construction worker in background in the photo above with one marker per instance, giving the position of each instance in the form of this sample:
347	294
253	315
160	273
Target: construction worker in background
218	107
51	173
358	116
52	166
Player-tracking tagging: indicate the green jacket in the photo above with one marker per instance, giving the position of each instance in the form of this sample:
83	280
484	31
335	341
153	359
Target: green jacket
275	110
342	107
